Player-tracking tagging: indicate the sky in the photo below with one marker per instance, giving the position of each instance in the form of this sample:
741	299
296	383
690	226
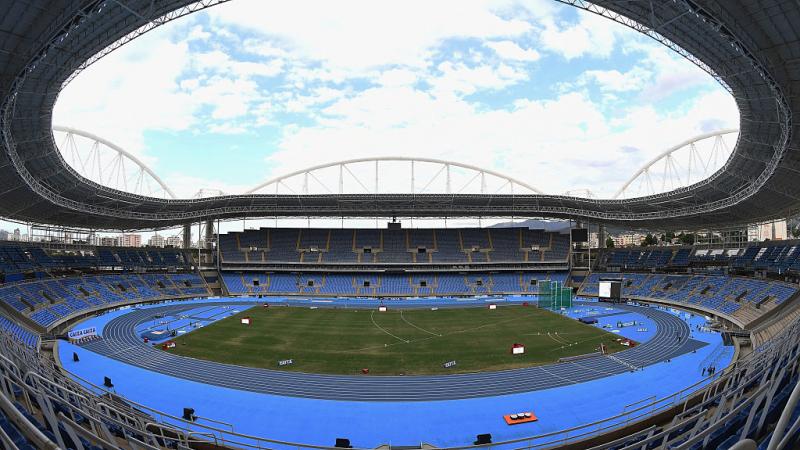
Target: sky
554	96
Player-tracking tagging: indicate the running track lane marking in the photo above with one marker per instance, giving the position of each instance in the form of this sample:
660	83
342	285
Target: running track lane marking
389	389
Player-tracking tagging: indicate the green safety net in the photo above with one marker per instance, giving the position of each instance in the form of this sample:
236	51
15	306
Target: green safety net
554	296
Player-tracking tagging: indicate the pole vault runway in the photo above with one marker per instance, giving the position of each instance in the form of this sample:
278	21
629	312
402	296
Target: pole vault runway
120	342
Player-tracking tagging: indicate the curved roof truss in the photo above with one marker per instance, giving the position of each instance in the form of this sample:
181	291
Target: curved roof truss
93	165
741	44
477	174
704	165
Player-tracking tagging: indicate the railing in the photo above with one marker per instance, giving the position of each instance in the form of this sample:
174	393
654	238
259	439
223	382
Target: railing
712	357
781	437
228	437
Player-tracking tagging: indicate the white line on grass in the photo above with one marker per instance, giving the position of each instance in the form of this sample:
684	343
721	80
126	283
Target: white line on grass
419	328
582	341
499	322
372	318
555	340
403	341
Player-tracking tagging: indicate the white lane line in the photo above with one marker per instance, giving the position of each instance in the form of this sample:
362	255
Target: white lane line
372	318
419	328
593	369
118	351
557	375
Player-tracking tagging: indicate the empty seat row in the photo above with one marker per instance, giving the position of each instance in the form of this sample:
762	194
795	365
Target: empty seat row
393	246
49	300
356	284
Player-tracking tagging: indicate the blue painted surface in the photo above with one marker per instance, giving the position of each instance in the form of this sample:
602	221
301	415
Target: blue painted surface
369	424
159	329
609	322
101	321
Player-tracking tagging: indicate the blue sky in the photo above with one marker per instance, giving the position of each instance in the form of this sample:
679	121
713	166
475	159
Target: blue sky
247	90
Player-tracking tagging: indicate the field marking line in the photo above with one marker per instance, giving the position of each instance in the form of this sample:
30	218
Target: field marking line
419	328
555	340
499	322
560	339
372	318
395	343
435	336
585	340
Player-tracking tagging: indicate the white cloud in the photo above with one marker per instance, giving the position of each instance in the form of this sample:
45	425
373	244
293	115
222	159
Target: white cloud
657	74
197	33
398	77
353	35
229	98
460	79
616	81
227	128
592	35
263	48
511	50
672	73
121	96
219	62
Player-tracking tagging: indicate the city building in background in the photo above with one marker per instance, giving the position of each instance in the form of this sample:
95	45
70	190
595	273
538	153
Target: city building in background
628	239
175	241
773	231
130	240
156	240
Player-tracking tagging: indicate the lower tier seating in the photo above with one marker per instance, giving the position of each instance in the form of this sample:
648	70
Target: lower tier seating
19	332
47	301
418	284
745	299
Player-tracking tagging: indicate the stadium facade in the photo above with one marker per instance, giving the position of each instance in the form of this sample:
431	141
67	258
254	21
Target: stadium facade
747	298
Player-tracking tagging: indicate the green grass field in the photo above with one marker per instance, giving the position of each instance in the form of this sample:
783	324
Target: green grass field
411	342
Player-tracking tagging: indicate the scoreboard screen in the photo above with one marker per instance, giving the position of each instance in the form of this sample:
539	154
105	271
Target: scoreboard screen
610	289
580	235
605	289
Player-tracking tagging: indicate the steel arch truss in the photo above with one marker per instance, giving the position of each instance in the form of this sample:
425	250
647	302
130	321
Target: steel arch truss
394	174
108	164
679	166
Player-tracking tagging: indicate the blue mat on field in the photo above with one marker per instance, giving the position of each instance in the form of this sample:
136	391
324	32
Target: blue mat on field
156	335
597	316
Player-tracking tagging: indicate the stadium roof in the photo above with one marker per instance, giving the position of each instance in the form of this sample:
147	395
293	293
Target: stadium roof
752	47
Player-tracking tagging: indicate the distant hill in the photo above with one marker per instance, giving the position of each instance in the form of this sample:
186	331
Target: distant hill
536	224
556	225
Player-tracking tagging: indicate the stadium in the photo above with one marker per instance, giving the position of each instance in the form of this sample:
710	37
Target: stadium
536	332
